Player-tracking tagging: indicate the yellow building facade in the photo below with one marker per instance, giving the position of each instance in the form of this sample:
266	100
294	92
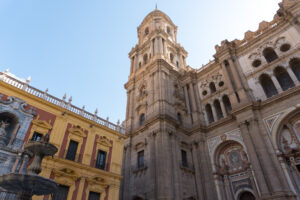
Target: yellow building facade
88	162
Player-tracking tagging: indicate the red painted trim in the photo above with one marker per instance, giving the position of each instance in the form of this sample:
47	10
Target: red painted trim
83	147
76	189
46	197
43	115
94	152
109	156
84	190
64	143
107	193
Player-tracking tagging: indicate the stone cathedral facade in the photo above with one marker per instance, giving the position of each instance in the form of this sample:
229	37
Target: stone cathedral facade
229	130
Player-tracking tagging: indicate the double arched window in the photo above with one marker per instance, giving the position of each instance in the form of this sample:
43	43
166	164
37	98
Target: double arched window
269	54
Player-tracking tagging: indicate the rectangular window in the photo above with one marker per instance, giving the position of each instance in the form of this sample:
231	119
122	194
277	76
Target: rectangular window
61	193
71	153
36	136
94	196
184	158
141	159
101	159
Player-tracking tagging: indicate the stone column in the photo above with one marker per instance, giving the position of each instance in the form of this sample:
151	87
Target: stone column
223	108
227	186
187	102
254	158
214	112
261	145
292	75
175	167
228	83
152	164
276	83
235	75
199	105
198	173
193	101
126	172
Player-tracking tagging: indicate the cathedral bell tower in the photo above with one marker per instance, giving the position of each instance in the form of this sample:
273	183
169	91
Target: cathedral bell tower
156	107
152	60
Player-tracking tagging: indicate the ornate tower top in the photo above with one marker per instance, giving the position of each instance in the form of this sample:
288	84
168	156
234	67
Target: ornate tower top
156	21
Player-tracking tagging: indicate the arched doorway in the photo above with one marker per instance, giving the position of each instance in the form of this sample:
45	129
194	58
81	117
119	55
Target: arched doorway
288	142
246	196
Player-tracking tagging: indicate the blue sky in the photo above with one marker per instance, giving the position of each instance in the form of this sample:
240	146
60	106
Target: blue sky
81	47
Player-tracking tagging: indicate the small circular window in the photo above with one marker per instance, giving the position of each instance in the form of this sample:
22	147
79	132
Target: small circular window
256	63
204	93
285	47
221	84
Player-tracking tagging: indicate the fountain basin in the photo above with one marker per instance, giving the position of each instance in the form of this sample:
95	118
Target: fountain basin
41	148
28	183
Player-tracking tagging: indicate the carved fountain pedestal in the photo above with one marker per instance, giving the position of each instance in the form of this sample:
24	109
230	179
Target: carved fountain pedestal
29	184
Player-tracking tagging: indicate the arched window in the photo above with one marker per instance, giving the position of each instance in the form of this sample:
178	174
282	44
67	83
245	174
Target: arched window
142	119
145	58
283	78
212	87
209	113
146	31
267	85
179	118
171	57
218	109
246	196
168	30
9	126
269	54
227	104
295	66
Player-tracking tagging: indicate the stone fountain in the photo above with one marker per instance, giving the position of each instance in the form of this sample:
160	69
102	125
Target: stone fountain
29	184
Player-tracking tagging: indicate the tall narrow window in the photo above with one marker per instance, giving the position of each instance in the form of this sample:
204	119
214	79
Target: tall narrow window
268	85
72	149
295	66
218	109
269	54
61	193
101	160
171	57
212	87
283	78
227	104
140	159
153	42
142	119
36	136
209	113
184	158
179	118
145	58
163	44
94	196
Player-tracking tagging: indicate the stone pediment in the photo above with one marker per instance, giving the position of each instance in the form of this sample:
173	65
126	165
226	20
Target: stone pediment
97	181
66	173
77	130
42	123
103	140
